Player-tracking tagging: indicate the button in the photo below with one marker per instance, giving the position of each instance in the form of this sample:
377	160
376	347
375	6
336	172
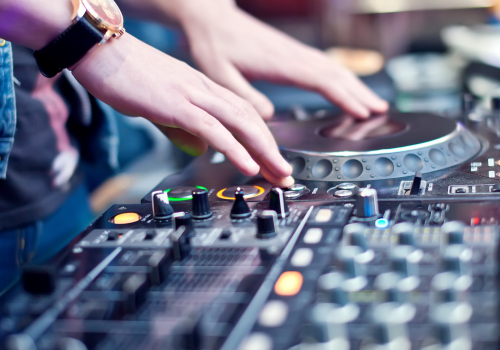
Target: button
313	236
289	283
273	314
382	223
461	190
495	188
346	186
302	257
114	236
297	187
343	193
149	236
225	235
292	194
324	215
125	218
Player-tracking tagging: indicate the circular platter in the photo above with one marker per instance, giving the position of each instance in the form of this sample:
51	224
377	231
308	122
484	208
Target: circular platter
340	148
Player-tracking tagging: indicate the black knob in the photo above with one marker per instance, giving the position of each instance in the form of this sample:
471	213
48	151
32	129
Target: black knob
495	103
240	208
452	233
201	205
405	233
183	219
181	243
278	203
367	203
162	210
266	225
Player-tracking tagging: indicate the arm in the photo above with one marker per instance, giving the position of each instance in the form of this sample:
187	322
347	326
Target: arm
139	80
230	47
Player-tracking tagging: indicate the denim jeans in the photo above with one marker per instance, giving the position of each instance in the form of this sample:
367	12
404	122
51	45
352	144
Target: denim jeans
40	240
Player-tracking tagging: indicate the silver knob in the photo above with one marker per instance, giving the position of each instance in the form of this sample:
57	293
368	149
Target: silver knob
367	203
451	324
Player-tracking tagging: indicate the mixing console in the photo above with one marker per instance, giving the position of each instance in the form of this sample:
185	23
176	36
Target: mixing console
214	260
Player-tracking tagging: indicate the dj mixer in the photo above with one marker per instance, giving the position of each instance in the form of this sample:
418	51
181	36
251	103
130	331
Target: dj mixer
388	241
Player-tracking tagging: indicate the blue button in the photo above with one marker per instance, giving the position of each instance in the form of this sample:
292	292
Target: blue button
382	223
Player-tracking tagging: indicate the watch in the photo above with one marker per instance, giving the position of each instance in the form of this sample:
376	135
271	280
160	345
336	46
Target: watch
95	23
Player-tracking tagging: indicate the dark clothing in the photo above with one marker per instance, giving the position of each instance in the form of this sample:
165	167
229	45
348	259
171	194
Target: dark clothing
43	163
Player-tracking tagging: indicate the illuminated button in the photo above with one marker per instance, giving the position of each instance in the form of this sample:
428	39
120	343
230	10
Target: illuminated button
313	236
181	194
250	192
289	283
302	257
257	341
125	218
324	215
273	314
382	223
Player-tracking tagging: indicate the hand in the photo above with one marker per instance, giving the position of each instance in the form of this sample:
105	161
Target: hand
194	111
230	47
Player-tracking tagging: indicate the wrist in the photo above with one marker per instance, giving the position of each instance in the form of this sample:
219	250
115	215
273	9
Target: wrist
34	23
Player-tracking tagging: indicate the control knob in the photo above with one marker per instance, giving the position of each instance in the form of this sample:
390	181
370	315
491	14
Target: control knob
267	224
183	219
452	233
278	203
404	233
390	325
201	205
457	258
367	203
334	288
354	235
162	210
240	209
448	287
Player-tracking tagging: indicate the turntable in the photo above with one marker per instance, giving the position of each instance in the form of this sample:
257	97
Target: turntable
340	148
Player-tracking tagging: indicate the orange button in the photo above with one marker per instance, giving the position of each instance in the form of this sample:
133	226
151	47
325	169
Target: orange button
289	283
126	218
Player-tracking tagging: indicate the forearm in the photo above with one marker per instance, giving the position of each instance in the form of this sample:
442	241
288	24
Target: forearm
34	23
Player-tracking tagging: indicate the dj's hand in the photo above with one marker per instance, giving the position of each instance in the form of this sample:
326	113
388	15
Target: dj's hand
194	111
230	47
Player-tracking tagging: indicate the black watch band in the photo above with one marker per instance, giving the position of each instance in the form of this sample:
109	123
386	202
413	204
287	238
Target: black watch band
68	48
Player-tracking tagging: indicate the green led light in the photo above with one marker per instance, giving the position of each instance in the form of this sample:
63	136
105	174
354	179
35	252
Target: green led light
183	199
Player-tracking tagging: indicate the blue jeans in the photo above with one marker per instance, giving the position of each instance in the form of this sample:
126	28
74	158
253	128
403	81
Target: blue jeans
40	240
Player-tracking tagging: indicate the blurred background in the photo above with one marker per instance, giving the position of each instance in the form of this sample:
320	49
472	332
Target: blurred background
420	55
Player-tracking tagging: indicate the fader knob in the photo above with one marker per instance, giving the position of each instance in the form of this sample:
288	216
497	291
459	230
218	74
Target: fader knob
448	287
354	234
350	260
451	325
390	324
266	224
404	233
452	233
330	287
457	258
183	219
327	326
240	208
201	205
405	260
367	203
278	203
162	210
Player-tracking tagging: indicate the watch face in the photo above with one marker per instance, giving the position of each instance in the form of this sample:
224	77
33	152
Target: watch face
107	12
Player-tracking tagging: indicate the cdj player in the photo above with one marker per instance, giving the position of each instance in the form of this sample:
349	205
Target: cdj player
388	240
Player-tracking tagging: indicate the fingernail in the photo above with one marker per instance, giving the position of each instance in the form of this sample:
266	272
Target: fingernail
289	181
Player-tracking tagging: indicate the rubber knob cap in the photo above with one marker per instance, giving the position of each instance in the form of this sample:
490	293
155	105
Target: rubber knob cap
162	210
266	225
240	209
278	202
201	205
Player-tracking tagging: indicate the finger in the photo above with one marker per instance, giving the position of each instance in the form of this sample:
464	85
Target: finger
241	119
183	140
340	96
230	77
204	126
282	182
373	102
